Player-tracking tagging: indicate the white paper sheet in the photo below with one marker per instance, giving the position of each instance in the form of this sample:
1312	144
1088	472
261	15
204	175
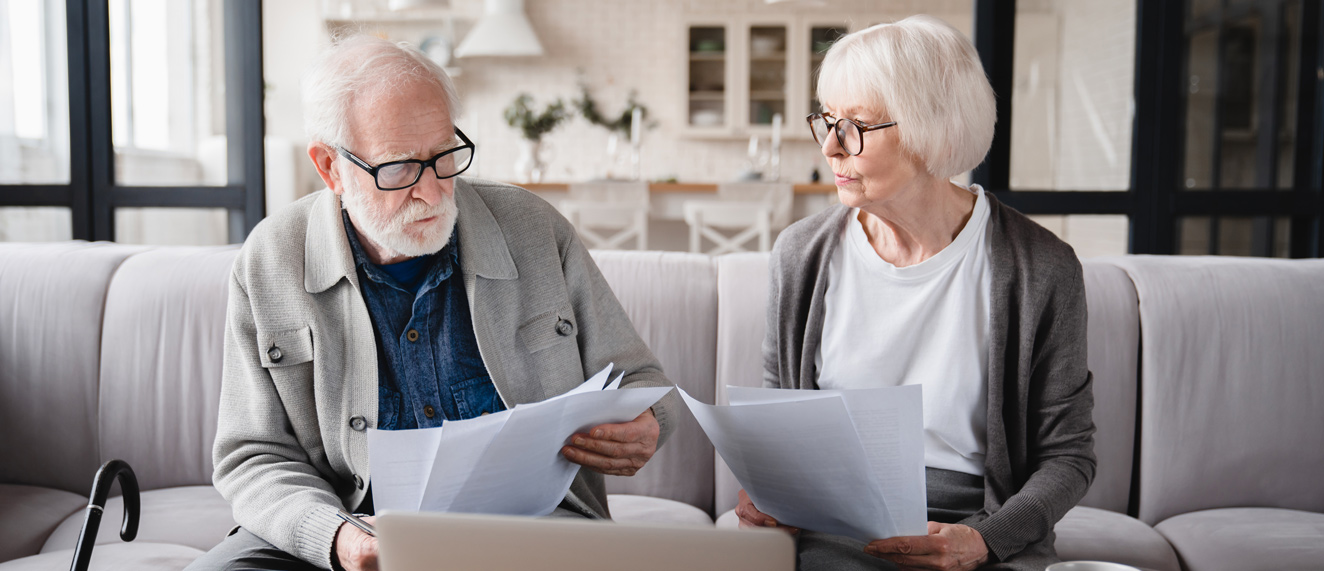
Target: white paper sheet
890	425
507	463
842	462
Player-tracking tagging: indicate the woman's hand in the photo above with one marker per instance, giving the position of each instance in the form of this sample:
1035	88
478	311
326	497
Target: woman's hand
750	516
947	547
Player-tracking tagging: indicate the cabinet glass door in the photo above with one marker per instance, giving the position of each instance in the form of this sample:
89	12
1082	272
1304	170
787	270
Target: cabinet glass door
820	39
707	73
767	73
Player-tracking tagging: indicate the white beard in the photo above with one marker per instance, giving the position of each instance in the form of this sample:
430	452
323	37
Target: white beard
390	230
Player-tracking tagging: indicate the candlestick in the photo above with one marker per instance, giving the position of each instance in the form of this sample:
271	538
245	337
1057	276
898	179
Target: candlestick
636	125
776	131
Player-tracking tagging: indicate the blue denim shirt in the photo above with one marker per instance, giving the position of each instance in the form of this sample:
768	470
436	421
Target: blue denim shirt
428	366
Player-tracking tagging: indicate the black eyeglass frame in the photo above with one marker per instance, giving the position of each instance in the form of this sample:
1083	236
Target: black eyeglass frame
432	162
836	121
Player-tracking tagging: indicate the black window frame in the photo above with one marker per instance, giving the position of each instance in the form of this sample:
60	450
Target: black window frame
92	194
1155	203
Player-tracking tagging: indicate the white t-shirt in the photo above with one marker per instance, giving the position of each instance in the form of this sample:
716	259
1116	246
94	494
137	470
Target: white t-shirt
926	324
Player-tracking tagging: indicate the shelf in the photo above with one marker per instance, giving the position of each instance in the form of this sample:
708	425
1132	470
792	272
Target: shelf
707	56
771	95
770	57
707	95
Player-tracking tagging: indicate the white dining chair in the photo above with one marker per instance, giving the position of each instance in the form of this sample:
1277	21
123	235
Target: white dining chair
608	214
742	212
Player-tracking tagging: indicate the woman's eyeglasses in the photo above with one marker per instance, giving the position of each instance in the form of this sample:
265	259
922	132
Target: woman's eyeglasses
850	133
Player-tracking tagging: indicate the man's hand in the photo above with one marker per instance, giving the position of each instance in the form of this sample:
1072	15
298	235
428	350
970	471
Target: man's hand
355	550
750	516
615	449
947	547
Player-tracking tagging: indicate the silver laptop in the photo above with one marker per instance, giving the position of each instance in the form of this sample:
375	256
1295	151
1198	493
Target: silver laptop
430	541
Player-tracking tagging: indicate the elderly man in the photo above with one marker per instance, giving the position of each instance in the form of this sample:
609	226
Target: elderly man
399	298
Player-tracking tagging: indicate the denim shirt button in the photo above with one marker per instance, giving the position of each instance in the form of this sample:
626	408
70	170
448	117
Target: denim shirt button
358	423
412	335
428	411
564	327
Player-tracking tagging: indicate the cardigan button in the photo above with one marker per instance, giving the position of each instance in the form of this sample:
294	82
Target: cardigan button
564	327
274	354
358	423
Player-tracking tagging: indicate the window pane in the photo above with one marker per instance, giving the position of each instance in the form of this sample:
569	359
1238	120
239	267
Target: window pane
1240	118
35	224
167	92
1090	234
172	226
1235	236
1072	100
34	93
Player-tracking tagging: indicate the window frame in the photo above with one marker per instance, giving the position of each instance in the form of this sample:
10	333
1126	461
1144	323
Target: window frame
92	194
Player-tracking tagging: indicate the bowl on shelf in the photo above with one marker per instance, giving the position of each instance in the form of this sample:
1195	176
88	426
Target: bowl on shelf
705	118
765	45
709	46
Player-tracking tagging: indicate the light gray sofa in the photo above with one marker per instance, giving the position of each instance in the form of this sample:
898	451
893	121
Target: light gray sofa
1209	389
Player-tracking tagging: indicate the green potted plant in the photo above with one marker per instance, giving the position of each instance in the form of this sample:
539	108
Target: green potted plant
532	126
617	126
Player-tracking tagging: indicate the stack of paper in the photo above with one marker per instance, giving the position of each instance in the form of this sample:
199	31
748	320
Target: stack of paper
843	462
506	463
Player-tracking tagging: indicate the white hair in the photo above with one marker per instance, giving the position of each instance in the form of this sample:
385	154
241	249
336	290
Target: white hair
358	70
927	77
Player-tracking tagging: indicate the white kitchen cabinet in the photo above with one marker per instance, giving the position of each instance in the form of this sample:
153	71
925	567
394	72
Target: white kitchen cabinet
742	70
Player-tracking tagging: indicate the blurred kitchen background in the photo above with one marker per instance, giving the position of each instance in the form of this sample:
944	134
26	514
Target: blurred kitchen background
721	87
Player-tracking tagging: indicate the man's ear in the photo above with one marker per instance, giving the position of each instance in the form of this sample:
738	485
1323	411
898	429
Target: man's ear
324	158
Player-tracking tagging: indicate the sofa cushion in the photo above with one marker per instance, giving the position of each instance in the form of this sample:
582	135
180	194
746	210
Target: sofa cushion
53	296
1231	399
161	356
1247	539
196	516
1114	353
1091	534
136	556
629	508
671	299
29	514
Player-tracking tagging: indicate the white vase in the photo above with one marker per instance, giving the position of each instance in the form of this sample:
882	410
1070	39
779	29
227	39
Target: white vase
529	166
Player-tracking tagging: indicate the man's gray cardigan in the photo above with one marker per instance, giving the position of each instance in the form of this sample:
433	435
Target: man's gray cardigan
1040	456
300	379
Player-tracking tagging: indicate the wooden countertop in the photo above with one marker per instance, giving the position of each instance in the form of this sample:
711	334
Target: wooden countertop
806	188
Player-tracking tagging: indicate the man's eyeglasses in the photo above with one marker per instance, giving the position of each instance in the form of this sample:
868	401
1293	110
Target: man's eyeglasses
850	133
397	175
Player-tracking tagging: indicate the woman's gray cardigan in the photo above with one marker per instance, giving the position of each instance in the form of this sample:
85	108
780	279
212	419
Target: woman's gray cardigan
1040	456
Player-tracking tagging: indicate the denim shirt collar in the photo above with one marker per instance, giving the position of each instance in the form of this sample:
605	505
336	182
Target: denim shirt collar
440	265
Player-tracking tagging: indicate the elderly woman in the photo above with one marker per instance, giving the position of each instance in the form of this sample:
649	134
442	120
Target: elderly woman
916	279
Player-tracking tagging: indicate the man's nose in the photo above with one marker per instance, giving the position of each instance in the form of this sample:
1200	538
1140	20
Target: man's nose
431	189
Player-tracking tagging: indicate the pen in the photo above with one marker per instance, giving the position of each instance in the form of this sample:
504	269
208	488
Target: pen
356	522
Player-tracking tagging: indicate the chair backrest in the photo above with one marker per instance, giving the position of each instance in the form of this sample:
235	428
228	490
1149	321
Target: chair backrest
162	351
742	292
778	196
611	192
671	299
1231	388
53	299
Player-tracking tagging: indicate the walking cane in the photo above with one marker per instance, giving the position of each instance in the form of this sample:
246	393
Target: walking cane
106	476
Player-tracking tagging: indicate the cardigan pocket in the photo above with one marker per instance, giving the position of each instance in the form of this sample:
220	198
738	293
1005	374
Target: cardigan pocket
285	348
548	329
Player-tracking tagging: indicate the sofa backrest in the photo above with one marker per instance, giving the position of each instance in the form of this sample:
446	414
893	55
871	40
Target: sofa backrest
671	299
1114	353
51	300
161	354
742	285
1232	405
